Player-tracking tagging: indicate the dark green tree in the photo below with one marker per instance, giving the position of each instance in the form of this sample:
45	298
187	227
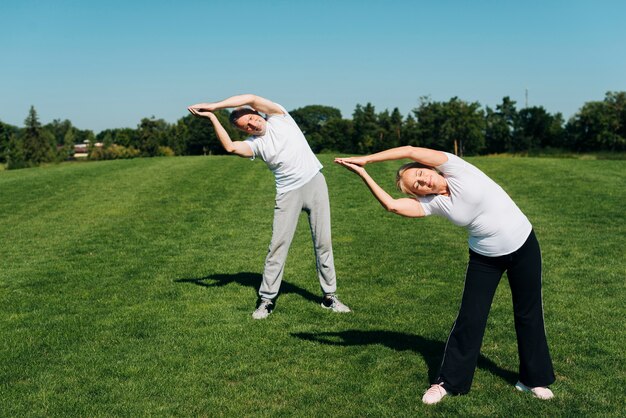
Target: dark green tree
15	157
6	131
38	143
367	131
599	126
390	129
410	132
395	128
126	137
59	128
500	127
311	120
338	134
197	136
152	134
537	129
451	125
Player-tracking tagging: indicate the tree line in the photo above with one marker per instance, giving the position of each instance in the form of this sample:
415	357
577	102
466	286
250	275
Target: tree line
465	128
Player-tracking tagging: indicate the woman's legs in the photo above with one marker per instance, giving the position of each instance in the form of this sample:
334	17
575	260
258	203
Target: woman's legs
463	346
524	274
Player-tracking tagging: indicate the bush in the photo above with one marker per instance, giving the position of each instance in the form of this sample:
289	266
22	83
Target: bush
113	152
165	152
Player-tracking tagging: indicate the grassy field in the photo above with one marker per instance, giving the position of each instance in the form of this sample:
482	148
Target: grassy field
126	289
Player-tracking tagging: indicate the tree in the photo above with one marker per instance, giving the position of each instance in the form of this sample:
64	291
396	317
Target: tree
15	153
38	143
395	127
67	151
126	137
59	129
6	131
599	126
411	132
500	127
91	143
451	125
366	129
338	134
536	128
152	135
197	136
311	120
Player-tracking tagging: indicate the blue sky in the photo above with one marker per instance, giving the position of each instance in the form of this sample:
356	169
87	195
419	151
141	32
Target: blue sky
107	64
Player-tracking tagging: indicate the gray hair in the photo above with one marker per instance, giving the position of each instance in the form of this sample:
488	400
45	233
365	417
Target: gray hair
239	112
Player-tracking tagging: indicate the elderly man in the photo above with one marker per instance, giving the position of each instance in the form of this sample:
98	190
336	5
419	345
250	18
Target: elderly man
300	186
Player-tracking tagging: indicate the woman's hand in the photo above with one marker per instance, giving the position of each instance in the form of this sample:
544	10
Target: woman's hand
355	168
360	161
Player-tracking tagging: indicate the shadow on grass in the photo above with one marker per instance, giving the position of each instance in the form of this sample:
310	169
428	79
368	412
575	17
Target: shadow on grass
430	350
248	279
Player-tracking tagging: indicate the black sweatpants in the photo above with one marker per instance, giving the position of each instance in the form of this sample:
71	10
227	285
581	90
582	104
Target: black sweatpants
523	269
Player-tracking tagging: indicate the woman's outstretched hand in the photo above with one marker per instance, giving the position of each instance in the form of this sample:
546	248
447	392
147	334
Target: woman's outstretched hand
360	161
350	165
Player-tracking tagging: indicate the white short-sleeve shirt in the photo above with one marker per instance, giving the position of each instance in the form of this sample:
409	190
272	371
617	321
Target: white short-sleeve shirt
495	224
286	152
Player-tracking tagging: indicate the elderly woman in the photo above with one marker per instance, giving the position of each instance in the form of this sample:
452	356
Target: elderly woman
500	239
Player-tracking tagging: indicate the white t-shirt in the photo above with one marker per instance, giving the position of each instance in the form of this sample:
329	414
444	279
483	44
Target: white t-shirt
495	224
286	152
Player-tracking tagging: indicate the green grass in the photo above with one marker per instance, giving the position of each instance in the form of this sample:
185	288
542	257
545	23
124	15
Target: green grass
126	289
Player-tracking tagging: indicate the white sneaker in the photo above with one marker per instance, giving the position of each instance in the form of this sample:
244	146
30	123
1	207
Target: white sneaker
264	310
333	303
538	392
434	394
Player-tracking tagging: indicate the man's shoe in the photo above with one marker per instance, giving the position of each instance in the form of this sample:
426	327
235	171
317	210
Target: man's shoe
538	392
333	303
264	309
434	394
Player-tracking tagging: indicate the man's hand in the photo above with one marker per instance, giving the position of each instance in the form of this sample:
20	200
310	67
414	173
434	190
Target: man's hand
200	108
200	112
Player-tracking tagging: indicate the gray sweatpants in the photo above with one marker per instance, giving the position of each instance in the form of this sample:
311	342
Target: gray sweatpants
313	199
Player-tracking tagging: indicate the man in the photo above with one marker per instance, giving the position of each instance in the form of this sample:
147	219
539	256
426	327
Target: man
300	185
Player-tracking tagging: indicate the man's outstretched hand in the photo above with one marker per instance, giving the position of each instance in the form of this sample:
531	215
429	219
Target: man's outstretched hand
201	109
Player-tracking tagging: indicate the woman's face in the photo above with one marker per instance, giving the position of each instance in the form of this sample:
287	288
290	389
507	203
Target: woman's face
422	181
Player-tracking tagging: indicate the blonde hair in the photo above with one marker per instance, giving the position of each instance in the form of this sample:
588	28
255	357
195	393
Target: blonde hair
401	171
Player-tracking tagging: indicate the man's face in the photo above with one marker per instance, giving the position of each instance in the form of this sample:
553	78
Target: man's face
252	124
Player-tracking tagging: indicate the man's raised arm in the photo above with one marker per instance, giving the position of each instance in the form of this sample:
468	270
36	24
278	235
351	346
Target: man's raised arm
256	102
239	148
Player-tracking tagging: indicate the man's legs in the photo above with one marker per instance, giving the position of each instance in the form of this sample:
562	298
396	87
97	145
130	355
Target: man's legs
317	206
286	214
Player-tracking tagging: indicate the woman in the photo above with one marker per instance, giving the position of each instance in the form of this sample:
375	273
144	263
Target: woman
500	239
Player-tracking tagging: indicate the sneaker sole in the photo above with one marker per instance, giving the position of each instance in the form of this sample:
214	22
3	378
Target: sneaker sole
330	308
523	388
